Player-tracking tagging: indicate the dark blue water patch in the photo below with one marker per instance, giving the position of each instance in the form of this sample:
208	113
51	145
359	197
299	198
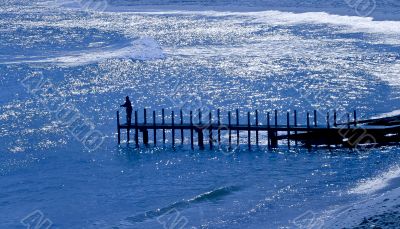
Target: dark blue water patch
215	194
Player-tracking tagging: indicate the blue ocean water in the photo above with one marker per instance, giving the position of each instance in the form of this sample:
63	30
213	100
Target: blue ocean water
83	62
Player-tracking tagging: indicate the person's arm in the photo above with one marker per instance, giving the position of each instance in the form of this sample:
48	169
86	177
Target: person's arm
123	105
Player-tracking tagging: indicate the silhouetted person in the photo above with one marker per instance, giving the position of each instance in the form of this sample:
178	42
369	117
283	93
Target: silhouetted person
128	106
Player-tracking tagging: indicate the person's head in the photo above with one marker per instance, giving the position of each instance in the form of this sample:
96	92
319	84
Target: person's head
127	97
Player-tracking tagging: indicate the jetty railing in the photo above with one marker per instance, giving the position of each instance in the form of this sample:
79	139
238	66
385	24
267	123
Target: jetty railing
348	133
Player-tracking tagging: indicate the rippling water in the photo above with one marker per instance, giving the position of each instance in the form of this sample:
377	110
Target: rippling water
249	60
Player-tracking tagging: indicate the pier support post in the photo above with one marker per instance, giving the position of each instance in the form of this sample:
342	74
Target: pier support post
191	129
334	118
288	128
257	127
229	129
155	129
173	128
355	118
219	127
119	129
308	143
200	138
145	131
268	130
274	136
210	137
315	118
163	123
295	125
328	126
274	139
237	123
181	116
145	136
248	130
136	129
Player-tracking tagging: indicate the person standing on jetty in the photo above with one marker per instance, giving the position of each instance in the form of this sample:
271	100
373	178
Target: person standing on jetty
128	106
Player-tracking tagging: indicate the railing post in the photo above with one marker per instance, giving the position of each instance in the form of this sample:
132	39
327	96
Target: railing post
119	129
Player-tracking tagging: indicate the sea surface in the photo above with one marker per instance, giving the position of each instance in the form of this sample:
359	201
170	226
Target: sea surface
66	66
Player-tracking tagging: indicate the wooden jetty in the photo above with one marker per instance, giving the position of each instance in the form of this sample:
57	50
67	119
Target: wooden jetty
351	133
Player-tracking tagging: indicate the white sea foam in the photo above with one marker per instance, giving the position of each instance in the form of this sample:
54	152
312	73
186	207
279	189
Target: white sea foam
140	49
377	183
146	49
351	215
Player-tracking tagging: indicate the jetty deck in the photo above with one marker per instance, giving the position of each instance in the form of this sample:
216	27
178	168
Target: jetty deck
211	130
